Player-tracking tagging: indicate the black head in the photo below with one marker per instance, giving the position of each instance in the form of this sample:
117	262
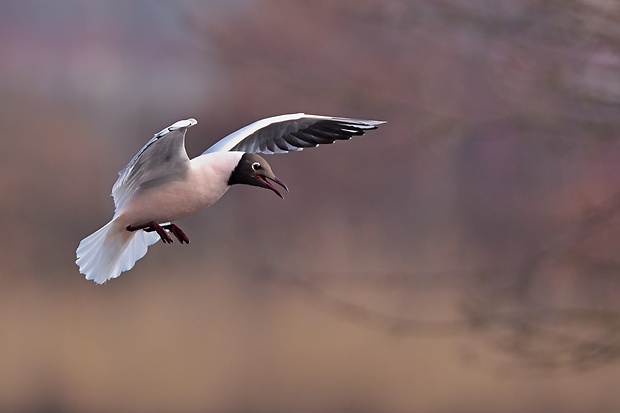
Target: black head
254	170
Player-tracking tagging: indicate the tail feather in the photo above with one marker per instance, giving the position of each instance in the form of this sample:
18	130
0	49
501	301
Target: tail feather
111	250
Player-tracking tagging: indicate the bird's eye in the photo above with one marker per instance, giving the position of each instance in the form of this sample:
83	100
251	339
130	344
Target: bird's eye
256	166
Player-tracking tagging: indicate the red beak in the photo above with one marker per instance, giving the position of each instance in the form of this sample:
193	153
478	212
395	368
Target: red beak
268	185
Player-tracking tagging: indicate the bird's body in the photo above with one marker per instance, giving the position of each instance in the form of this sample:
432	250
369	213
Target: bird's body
205	181
161	184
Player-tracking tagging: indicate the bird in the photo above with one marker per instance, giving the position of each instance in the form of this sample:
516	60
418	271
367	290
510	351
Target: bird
161	184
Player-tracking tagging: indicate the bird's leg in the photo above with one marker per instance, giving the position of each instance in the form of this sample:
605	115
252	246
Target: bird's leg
177	232
152	226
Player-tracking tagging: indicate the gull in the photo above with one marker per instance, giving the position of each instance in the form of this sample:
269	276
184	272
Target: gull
161	184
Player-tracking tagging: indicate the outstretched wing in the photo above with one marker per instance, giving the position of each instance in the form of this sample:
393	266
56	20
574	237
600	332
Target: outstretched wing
284	133
162	159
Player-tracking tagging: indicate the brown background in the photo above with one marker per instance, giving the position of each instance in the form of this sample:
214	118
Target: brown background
462	258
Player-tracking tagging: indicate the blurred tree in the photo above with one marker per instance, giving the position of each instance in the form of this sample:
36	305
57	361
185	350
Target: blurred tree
515	103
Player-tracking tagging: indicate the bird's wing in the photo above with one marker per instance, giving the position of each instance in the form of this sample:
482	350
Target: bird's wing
284	133
162	159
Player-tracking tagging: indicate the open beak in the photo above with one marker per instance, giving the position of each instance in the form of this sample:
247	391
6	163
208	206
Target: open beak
268	185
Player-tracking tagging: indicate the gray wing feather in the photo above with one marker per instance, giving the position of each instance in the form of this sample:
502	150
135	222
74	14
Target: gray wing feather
294	132
294	135
162	159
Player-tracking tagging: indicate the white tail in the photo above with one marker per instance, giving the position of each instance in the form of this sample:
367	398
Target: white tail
112	250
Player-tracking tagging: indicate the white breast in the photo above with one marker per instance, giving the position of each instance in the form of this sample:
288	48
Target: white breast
205	183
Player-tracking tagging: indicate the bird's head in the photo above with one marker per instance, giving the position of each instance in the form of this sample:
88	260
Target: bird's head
254	170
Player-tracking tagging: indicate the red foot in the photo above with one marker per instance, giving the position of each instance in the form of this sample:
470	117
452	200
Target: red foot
178	233
152	226
161	231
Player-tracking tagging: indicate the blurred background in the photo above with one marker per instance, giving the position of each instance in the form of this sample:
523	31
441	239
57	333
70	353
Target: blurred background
463	257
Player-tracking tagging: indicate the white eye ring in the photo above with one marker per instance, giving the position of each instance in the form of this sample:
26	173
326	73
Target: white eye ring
256	166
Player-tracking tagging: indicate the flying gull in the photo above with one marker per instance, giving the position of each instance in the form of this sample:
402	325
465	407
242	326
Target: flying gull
161	184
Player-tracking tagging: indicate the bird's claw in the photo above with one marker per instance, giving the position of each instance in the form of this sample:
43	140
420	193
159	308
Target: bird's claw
162	231
178	233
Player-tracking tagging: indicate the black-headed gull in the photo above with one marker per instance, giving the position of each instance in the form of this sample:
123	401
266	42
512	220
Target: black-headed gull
161	184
